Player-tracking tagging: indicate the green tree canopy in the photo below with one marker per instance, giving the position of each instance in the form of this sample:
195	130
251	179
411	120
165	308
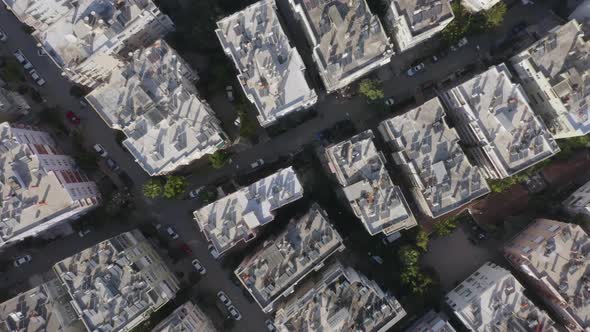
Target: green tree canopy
371	89
445	227
409	256
495	15
174	187
153	188
218	159
422	240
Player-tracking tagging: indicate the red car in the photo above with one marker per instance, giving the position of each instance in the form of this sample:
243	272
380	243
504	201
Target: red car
74	119
187	250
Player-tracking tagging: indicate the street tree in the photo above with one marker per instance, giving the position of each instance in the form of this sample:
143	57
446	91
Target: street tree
422	240
409	256
153	188
174	187
495	15
371	89
218	159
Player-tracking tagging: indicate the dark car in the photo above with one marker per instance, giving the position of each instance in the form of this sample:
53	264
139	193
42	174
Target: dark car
186	249
74	119
112	165
518	27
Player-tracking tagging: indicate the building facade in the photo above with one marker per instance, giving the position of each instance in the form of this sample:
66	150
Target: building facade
186	318
41	186
579	201
432	322
12	105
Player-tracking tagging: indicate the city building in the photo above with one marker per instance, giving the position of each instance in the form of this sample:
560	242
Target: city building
552	256
347	40
553	72
188	317
236	217
339	299
153	101
12	105
45	308
41	186
116	284
374	199
432	322
413	22
579	201
274	270
271	72
86	38
491	299
475	6
495	121
429	154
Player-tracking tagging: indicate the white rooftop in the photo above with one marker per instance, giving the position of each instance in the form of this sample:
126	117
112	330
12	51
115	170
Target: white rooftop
154	102
339	299
492	300
556	255
39	13
432	322
479	5
273	270
360	169
501	120
271	72
555	71
116	283
37	182
443	178
236	216
186	318
348	41
579	201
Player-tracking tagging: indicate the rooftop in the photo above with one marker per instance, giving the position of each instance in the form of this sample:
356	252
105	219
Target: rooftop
423	15
93	25
347	38
39	13
339	299
428	149
271	72
188	317
560	65
360	169
557	254
115	283
281	263
579	200
236	216
491	299
45	308
501	120
432	322
32	190
154	102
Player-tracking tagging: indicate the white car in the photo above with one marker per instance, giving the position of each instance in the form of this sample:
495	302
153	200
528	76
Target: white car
270	326
100	150
213	251
171	232
223	298
20	57
84	232
3	35
257	163
195	192
234	313
200	268
238	122
462	42
389	101
38	79
22	260
414	70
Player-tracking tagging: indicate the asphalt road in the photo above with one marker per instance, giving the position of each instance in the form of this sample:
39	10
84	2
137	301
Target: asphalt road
177	213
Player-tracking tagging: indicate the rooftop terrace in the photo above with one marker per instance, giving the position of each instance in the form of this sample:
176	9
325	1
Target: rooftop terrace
360	169
493	114
274	270
271	72
491	299
348	41
428	150
236	216
115	283
45	308
339	299
555	71
555	256
153	101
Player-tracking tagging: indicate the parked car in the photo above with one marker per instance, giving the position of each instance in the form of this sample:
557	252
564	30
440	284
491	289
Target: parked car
20	57
186	249
41	52
234	313
213	251
112	165
229	92
389	101
3	35
257	163
195	192
100	150
238	122
171	232
462	42
83	232
74	119
270	326
414	70
38	79
200	268
22	260
223	298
